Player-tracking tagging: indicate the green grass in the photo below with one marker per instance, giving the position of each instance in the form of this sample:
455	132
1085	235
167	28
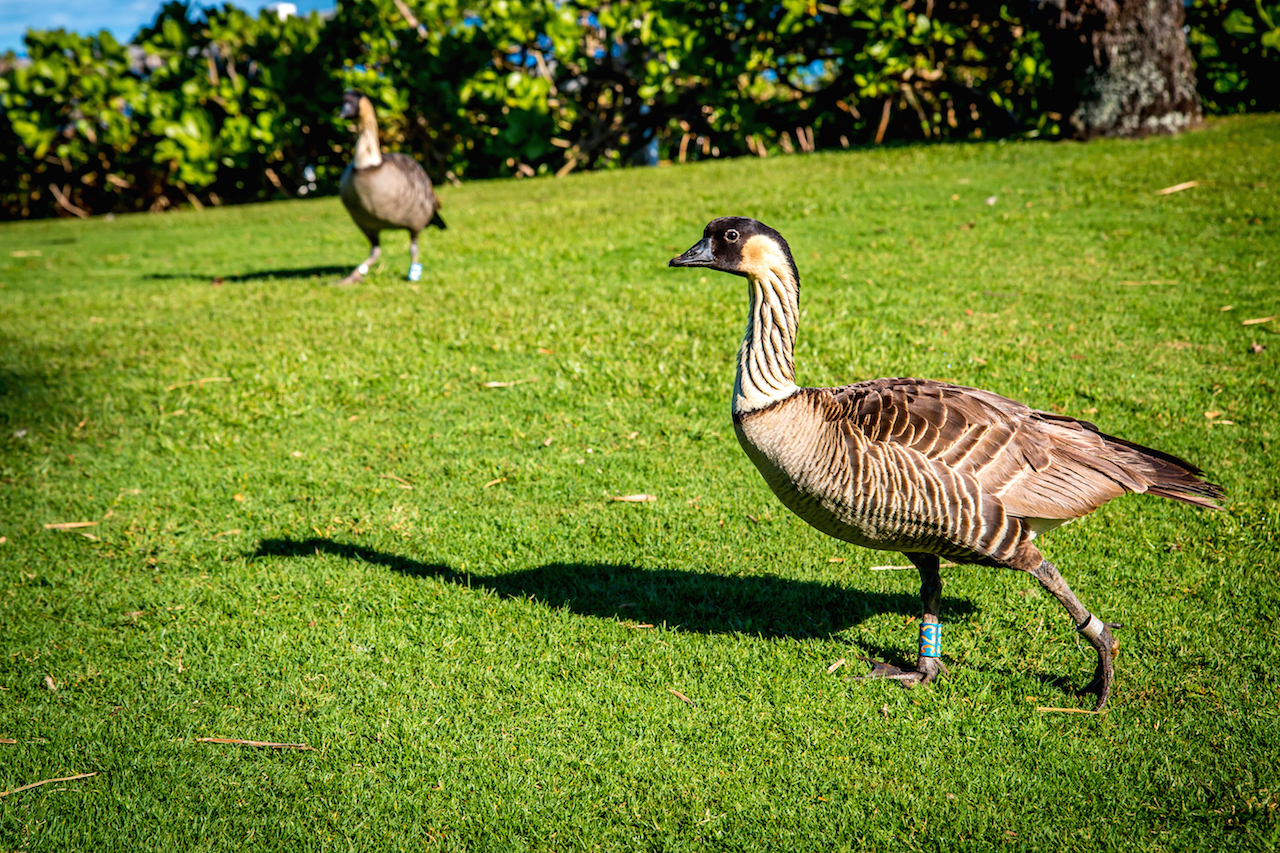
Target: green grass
489	659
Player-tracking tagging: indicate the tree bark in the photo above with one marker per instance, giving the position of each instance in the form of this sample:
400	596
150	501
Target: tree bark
1121	67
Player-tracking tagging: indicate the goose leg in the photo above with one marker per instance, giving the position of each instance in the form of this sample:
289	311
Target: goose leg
1093	629
358	274
928	663
415	268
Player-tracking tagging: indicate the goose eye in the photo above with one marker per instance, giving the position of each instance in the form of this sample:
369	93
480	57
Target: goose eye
731	235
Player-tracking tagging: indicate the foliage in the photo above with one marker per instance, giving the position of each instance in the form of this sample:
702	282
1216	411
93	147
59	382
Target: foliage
219	106
206	109
1236	44
231	99
485	659
212	106
71	106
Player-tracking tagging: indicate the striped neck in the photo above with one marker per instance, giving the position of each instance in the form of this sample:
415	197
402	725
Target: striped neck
766	364
368	153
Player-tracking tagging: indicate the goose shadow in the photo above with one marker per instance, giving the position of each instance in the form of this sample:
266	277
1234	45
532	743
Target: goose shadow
259	275
763	605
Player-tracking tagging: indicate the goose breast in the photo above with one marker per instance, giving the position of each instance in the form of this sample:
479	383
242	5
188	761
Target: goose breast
394	194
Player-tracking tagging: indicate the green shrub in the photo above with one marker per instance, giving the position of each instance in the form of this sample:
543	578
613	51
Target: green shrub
1236	44
217	106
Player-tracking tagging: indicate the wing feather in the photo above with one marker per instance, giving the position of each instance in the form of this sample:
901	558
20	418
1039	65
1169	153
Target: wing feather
1038	465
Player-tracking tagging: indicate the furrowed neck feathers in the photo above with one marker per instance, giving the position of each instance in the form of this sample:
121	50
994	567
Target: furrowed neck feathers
368	153
766	363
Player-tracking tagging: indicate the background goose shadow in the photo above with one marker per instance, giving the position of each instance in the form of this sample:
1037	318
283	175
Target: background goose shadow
260	275
768	606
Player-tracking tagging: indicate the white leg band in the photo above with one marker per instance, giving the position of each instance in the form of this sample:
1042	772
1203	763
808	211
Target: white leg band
363	269
1092	627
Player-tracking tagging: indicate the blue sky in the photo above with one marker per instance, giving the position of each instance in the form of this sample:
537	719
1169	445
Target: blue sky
122	17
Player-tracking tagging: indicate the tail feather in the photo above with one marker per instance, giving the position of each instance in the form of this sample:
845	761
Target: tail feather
438	221
1172	477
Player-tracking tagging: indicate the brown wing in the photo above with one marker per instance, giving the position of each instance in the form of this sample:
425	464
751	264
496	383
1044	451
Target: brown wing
1039	465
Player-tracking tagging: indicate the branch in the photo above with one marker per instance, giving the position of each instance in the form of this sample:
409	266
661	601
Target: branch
66	202
411	20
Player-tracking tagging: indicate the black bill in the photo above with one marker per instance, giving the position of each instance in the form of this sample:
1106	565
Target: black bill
698	256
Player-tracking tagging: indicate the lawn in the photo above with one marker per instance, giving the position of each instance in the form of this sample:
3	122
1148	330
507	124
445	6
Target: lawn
380	521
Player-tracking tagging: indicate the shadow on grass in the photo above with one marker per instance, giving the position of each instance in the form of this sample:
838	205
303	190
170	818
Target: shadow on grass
29	393
764	606
770	607
260	275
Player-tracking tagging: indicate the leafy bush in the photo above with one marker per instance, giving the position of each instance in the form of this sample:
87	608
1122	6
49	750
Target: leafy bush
1236	44
69	124
222	107
217	106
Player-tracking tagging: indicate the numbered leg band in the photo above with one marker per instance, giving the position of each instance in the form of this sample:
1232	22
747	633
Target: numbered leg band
1091	627
415	272
930	640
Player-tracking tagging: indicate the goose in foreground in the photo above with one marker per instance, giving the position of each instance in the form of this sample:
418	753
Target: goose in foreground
384	191
926	468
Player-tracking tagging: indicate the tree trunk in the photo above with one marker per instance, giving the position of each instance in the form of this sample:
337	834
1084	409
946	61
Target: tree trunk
1121	67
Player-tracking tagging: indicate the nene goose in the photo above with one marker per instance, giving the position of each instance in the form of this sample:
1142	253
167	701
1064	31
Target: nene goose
926	468
384	191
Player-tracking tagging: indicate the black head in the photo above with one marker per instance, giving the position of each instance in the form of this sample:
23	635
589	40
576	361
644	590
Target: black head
738	245
350	104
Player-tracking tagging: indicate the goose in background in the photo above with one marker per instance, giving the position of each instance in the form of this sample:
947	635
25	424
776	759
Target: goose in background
930	469
384	191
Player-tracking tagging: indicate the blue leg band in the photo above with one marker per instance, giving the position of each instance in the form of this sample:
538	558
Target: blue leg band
415	272
930	640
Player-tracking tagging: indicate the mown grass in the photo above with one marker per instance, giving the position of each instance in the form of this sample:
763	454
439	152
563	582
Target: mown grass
356	545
